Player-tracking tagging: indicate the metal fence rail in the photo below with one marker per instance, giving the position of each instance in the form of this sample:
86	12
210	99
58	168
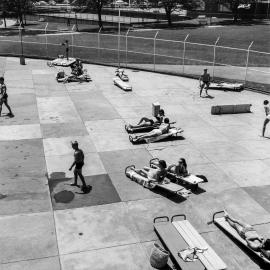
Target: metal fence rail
146	53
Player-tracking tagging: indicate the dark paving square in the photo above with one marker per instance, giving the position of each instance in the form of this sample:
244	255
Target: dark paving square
260	195
64	196
117	161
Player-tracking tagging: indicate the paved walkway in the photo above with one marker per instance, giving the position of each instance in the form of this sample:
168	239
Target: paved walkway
47	224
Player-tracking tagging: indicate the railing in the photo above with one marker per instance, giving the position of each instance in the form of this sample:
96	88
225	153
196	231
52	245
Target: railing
152	53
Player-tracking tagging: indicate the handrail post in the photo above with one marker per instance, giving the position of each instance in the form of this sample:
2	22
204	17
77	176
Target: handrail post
214	57
46	39
251	43
72	40
99	43
127	45
184	52
155	50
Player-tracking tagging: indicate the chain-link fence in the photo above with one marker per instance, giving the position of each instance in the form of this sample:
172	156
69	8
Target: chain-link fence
151	53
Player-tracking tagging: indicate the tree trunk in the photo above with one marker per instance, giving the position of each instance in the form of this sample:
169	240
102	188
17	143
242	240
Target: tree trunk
169	16
99	18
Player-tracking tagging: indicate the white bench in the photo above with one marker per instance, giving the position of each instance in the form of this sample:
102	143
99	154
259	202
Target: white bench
178	235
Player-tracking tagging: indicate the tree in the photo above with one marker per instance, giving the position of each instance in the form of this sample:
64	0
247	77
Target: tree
19	7
95	5
173	5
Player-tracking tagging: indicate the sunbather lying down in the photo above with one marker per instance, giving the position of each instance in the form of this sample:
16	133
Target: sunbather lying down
146	122
162	129
248	233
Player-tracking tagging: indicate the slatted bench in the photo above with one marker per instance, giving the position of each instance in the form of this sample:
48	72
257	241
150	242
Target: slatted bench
179	235
221	222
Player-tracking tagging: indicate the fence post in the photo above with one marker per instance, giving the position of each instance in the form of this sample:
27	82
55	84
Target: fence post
99	43
247	60
127	45
72	40
184	52
22	59
155	50
214	57
46	39
119	33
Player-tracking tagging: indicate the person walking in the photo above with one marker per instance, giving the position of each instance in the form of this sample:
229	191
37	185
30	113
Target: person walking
267	119
78	163
204	81
4	97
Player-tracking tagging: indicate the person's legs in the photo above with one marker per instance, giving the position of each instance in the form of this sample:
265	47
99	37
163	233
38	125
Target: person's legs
144	119
75	178
202	86
266	121
8	107
206	87
236	223
82	178
1	107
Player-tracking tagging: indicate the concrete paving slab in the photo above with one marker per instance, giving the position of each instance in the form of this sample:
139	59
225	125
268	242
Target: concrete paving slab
115	258
62	146
112	142
89	228
58	130
43	71
224	151
260	147
59	165
25	83
129	190
171	154
64	196
20	90
57	110
117	161
106	126
24	196
51	263
247	173
260	194
224	121
20	132
16	168
240	205
143	212
26	237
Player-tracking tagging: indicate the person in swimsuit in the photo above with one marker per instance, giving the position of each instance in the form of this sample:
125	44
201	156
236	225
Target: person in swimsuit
66	45
156	174
145	122
162	129
247	232
4	97
267	119
77	68
181	168
204	81
78	163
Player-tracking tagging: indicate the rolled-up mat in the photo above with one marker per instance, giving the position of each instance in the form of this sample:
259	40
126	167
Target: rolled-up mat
230	109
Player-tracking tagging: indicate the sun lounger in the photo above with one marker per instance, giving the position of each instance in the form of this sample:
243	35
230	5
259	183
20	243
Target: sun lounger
191	180
145	182
180	235
120	73
64	62
227	86
123	85
173	132
231	109
221	222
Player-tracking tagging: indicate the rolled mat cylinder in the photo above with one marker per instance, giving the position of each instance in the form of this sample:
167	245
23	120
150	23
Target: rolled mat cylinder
230	109
159	257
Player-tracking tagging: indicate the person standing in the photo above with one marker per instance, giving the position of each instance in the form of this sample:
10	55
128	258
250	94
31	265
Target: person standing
4	97
66	44
78	163
204	81
267	119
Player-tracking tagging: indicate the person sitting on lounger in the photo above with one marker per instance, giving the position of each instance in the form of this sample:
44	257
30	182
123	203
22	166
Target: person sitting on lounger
162	129
77	68
248	233
180	169
156	174
145	122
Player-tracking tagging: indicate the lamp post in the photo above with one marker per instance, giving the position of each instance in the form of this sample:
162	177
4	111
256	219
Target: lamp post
22	59
119	33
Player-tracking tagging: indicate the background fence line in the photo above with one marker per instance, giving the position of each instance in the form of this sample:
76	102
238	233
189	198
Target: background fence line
180	57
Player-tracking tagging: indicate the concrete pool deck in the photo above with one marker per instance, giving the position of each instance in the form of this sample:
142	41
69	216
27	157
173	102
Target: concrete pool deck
112	226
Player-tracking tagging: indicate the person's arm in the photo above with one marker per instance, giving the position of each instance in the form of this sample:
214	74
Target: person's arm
266	110
73	164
